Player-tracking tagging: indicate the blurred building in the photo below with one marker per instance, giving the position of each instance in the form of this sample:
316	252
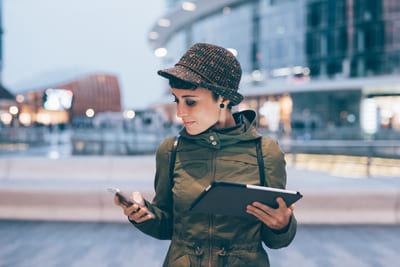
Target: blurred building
76	101
325	68
1	40
7	99
5	95
58	102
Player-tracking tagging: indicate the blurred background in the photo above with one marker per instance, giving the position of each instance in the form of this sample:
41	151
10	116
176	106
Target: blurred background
312	70
81	105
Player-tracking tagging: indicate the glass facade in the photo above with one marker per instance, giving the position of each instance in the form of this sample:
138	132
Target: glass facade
325	56
282	42
173	3
230	29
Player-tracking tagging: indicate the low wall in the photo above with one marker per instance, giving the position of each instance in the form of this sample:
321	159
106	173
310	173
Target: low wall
78	168
74	189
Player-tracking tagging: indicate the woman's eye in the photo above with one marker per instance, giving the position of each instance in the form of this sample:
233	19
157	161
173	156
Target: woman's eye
190	103
176	100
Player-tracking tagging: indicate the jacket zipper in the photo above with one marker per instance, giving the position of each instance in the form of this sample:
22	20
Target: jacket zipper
210	230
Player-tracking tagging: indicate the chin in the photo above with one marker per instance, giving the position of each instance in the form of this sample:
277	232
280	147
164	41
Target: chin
196	131
192	132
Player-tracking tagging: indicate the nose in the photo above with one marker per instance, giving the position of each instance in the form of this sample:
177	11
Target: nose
181	110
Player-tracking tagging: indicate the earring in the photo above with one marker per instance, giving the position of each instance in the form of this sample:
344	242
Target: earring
221	105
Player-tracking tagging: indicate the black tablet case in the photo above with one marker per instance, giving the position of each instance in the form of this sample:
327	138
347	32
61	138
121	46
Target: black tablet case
229	198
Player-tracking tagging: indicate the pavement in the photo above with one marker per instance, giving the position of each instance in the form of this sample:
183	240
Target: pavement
76	244
74	189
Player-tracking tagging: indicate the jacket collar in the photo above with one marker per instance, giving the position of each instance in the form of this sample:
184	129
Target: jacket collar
244	130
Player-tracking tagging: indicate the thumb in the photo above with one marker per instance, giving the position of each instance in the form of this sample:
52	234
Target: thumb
281	202
138	198
291	207
116	201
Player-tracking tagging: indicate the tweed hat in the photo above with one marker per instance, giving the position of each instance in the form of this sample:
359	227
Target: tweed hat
209	66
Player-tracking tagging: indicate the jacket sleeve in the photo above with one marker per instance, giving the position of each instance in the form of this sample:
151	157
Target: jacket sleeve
161	206
275	175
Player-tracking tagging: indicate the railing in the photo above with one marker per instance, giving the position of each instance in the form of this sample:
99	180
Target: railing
373	156
370	148
34	136
355	158
89	141
103	142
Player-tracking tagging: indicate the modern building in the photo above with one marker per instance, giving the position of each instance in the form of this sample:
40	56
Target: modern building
311	68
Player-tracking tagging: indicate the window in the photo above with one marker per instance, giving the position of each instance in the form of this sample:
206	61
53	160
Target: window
313	44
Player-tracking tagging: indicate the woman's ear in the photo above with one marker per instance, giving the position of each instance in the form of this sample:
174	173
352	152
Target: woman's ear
223	100
226	103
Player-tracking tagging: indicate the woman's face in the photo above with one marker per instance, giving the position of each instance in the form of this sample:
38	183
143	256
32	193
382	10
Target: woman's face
197	109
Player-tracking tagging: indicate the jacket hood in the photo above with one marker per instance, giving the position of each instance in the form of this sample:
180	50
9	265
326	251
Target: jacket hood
244	130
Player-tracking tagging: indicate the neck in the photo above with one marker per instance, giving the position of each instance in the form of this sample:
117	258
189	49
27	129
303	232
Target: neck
226	120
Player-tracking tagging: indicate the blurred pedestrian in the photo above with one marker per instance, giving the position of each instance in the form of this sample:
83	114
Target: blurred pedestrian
214	145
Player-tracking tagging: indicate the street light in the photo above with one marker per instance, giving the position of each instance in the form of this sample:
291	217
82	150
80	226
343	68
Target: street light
20	98
188	6
13	110
90	113
25	119
129	114
6	118
161	52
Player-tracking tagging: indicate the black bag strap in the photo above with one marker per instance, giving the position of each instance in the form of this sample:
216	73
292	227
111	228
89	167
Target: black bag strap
259	159
173	157
260	162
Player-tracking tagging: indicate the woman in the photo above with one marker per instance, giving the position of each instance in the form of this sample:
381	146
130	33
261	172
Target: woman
215	145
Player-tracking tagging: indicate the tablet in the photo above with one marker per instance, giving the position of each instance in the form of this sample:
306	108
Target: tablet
228	198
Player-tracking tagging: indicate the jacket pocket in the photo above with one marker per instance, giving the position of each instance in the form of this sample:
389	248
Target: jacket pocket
182	256
242	258
183	260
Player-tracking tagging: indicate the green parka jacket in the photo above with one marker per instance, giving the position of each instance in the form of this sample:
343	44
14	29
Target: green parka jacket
215	155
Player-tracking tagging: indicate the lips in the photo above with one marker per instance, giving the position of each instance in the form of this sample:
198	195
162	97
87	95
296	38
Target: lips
188	123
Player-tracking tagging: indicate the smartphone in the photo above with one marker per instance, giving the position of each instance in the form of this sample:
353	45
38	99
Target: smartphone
127	201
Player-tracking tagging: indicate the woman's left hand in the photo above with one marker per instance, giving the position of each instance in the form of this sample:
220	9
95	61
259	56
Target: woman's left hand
276	219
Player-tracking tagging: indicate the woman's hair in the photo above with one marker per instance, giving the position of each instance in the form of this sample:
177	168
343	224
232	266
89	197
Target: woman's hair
181	84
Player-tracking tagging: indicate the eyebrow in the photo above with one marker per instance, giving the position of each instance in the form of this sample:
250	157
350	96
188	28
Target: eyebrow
186	96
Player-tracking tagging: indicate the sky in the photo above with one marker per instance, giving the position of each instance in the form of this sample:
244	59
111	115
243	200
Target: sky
50	40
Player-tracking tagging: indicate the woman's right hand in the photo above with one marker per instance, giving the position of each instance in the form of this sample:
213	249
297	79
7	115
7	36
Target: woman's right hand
134	212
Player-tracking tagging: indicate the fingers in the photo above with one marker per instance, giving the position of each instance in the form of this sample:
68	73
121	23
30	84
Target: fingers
116	200
281	206
259	213
137	196
263	207
137	214
291	207
267	218
143	218
273	218
281	203
134	212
